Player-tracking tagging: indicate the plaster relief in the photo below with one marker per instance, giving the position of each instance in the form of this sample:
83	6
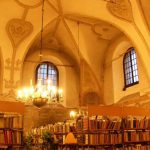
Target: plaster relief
51	43
18	64
48	43
10	96
105	31
10	84
121	9
18	30
8	63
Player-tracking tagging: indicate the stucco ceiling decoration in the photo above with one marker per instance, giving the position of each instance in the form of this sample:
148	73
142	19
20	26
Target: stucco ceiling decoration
121	9
29	3
51	43
63	24
145	5
102	29
48	36
105	31
18	30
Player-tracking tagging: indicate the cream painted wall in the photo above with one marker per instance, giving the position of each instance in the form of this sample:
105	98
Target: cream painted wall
118	77
68	77
114	74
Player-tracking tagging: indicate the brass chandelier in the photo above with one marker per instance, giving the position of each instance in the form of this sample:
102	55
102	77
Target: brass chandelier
40	95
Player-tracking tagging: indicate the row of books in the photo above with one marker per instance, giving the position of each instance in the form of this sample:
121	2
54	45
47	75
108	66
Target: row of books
100	130
94	123
59	127
136	136
106	122
11	121
137	147
95	139
98	122
136	122
9	137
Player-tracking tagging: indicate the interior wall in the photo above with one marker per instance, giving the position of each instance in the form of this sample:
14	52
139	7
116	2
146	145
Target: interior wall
68	77
114	73
1	71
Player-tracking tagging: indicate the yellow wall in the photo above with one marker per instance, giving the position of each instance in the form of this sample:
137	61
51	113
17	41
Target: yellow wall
102	71
114	73
68	77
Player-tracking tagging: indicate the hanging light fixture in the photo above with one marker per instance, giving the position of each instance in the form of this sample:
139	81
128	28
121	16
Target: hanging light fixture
40	95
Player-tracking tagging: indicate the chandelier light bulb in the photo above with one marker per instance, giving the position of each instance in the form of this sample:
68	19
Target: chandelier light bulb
40	94
20	94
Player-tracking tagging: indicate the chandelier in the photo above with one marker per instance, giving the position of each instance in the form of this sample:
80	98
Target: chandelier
40	95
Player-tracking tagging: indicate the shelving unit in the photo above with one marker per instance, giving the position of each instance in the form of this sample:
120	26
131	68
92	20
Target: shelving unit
135	125
11	125
105	128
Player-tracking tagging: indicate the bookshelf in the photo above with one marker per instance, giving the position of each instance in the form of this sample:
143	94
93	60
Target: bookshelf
135	125
115	128
11	125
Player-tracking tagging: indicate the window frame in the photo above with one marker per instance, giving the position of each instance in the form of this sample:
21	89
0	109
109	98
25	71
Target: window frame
124	58
48	64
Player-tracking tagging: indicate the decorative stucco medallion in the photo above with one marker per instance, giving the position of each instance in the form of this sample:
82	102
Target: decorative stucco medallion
18	64
8	63
18	30
10	84
105	31
121	9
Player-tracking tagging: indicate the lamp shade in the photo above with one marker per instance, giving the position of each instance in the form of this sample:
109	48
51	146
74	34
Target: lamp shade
70	139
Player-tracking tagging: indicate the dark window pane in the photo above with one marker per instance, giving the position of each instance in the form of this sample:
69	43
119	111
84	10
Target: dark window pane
47	71
130	68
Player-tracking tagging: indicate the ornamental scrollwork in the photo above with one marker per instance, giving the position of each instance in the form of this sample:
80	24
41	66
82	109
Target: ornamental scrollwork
18	30
121	9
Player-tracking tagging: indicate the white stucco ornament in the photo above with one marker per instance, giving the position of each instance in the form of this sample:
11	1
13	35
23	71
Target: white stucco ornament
18	30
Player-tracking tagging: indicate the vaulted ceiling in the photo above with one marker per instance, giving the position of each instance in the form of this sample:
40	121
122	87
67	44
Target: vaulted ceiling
72	32
145	7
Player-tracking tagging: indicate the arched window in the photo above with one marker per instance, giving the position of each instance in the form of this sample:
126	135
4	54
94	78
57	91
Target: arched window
47	71
130	68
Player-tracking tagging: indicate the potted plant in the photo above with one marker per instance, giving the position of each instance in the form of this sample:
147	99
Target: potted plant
48	140
28	140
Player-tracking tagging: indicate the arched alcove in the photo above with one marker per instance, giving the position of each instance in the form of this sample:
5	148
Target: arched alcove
114	72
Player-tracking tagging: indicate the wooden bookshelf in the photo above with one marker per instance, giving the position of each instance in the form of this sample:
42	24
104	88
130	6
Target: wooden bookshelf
117	111
135	126
12	107
106	127
11	124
